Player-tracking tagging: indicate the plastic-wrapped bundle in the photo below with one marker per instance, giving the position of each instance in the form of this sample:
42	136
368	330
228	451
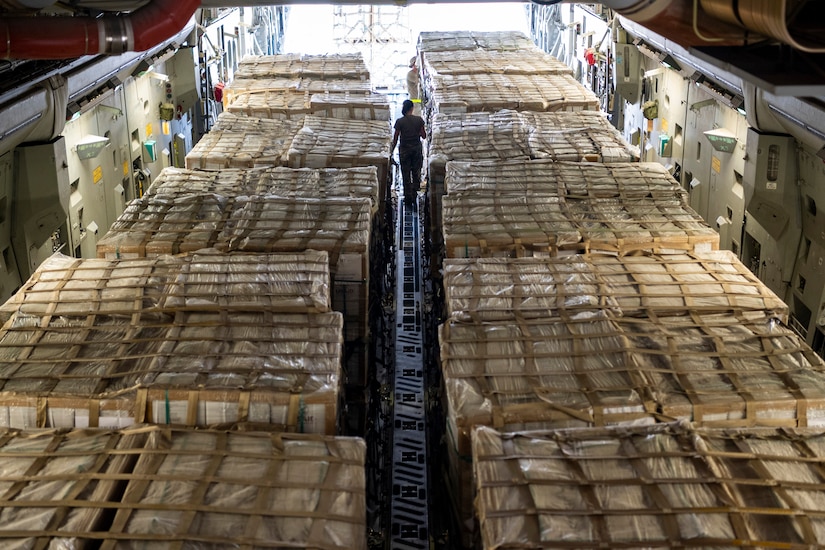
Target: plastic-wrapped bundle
492	61
495	136
359	182
243	142
336	143
532	374
264	489
508	135
205	488
60	486
159	224
199	368
586	369
165	224
626	225
280	84
275	104
310	183
728	369
337	66
506	225
489	224
488	289
351	105
625	180
179	181
278	224
491	92
295	282
439	41
576	136
649	487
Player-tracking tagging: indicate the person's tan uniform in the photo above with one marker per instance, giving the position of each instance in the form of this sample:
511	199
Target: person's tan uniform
412	86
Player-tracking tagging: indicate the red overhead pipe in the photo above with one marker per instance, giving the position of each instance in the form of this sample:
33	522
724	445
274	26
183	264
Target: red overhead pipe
60	37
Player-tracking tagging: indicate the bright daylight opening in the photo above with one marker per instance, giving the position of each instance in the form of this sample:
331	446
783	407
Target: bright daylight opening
388	42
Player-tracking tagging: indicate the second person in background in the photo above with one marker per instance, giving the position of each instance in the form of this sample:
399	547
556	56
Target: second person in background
410	129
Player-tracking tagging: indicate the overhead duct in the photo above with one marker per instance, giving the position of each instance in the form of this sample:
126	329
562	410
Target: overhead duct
680	20
58	37
799	23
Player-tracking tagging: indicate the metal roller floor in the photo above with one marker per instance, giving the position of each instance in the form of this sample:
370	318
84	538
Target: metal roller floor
409	499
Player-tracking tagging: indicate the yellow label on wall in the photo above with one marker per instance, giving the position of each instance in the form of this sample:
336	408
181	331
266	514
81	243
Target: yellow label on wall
97	175
166	127
716	164
664	125
148	130
125	168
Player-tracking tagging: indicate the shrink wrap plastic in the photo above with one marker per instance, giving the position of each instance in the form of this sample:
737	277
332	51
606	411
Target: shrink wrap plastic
508	135
161	224
155	287
351	105
461	62
325	142
276	224
183	489
438	41
584	180
586	369
183	181
198	368
509	225
662	486
310	183
298	84
464	93
515	225
539	373
494	289
324	67
728	370
581	136
270	104
238	141
165	224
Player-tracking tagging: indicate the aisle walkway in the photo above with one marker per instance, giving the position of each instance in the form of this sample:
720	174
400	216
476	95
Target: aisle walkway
409	515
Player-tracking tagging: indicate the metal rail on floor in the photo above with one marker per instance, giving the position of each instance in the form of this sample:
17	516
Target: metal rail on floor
410	512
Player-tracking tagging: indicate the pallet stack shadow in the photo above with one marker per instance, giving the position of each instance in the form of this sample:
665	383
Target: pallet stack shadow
583	292
311	175
93	348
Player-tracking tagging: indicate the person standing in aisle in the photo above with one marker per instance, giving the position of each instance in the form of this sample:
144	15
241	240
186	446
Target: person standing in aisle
410	129
412	86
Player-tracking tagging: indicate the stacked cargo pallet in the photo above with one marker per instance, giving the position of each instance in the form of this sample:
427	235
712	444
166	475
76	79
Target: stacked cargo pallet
210	305
323	116
663	486
197	340
582	292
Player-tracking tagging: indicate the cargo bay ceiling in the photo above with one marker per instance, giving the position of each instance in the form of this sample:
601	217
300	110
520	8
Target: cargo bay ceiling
776	44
